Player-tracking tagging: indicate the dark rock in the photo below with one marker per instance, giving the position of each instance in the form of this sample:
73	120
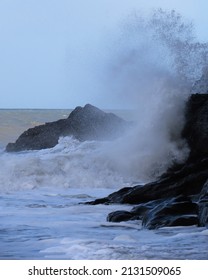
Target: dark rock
185	220
196	126
104	200
119	216
190	185
40	137
115	197
141	209
168	201
159	213
171	213
188	181
137	212
203	206
91	123
87	123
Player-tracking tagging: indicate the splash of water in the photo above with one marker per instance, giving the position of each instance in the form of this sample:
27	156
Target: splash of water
151	70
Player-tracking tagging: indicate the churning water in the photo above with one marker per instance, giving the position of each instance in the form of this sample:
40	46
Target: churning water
41	196
150	67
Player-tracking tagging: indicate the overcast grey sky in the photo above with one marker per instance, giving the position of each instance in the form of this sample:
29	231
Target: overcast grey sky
52	51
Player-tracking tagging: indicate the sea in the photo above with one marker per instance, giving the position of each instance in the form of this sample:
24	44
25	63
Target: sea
42	196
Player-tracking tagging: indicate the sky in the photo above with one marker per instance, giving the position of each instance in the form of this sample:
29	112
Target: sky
52	52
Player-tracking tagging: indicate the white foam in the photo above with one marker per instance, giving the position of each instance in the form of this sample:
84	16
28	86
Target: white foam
204	232
69	164
124	238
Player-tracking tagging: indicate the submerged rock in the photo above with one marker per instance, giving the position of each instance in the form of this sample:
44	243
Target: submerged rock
87	123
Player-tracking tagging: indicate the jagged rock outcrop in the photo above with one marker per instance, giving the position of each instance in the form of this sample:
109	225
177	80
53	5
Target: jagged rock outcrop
188	180
87	123
180	196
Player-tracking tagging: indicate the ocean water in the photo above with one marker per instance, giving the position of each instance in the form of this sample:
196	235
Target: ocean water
42	215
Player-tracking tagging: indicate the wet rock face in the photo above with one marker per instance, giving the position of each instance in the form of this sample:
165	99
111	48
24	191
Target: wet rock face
179	211
119	216
180	196
186	181
171	213
87	123
203	206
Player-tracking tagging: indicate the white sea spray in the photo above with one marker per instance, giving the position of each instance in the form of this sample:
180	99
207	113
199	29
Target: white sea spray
151	69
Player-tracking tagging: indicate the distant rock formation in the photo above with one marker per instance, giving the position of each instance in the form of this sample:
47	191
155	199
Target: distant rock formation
180	196
87	123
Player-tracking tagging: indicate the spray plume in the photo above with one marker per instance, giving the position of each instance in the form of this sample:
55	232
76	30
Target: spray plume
152	69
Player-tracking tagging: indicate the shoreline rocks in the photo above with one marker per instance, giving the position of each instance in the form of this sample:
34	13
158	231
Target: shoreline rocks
180	196
203	206
196	126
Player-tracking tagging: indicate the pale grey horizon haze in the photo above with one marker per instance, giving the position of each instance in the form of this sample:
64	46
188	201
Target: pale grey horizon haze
52	53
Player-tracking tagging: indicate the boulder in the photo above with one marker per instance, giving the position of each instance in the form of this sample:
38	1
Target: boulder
171	213
186	181
179	211
137	212
119	216
87	123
